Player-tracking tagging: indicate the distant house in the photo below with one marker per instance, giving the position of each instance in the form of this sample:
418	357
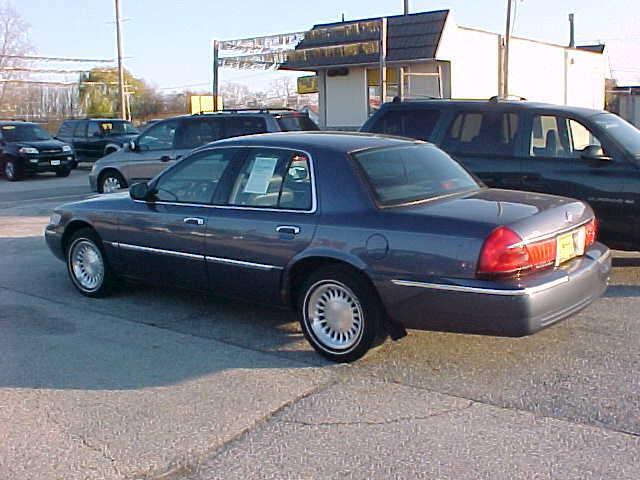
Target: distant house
438	58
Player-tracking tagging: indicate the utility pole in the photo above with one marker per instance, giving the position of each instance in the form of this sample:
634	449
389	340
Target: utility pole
383	60
406	7
215	72
507	38
123	107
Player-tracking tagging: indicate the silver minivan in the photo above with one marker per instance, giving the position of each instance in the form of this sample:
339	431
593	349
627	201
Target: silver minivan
166	141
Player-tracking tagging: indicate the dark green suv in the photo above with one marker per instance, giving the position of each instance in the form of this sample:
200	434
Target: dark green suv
592	155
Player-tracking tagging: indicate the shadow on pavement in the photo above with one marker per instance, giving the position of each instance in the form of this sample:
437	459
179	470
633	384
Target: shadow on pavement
53	337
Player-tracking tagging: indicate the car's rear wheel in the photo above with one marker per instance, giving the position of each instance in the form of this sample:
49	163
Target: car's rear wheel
340	313
87	265
11	170
111	181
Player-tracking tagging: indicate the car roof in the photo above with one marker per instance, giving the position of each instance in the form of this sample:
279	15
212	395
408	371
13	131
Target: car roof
511	105
15	122
318	140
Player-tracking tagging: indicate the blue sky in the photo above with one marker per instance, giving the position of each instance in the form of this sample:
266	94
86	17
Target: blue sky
168	42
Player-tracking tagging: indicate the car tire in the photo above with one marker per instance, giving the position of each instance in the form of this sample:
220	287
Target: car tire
340	313
111	181
11	170
73	165
87	264
63	172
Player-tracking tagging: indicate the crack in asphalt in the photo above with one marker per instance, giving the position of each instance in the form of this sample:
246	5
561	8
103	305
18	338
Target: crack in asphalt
382	422
83	440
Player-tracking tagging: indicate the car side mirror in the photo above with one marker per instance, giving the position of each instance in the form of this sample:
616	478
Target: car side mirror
594	152
132	145
140	191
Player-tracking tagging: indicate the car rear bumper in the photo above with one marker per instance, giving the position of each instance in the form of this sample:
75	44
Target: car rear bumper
514	307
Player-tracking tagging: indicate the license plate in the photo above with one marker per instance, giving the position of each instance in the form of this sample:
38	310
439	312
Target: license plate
570	245
55	163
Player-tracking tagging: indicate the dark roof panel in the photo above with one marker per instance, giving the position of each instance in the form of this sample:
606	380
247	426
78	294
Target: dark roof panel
409	37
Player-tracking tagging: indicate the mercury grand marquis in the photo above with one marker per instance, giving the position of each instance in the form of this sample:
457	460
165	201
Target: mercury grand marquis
364	235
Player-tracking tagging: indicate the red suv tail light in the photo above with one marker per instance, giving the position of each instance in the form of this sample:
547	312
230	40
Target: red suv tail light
504	254
591	232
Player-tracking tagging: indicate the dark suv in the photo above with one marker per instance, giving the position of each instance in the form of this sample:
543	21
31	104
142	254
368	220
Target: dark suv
576	152
96	137
26	148
166	141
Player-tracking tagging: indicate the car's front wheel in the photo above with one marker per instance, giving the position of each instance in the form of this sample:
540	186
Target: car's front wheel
87	265
11	170
111	182
340	313
63	172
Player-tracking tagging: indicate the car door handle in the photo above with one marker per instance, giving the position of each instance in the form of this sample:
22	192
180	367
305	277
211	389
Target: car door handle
291	229
194	221
165	158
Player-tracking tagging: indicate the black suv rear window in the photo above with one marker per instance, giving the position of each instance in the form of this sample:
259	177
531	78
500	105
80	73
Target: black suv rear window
412	173
482	133
296	123
413	123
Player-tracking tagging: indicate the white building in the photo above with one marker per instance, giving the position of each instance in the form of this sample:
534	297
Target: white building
438	58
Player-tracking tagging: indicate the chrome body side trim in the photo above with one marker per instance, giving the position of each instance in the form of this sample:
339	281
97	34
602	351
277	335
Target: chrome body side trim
160	251
482	290
193	256
241	263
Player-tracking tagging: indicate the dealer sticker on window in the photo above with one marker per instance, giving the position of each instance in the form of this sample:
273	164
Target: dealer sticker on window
261	174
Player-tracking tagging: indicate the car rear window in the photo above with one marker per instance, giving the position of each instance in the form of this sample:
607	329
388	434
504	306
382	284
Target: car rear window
296	123
411	173
412	123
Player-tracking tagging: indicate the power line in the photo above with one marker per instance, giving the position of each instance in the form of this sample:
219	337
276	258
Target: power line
57	59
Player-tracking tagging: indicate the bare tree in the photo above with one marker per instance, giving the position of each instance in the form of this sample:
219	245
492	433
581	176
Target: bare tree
14	41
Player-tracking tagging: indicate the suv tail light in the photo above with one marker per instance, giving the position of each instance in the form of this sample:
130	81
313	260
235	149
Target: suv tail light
505	254
591	231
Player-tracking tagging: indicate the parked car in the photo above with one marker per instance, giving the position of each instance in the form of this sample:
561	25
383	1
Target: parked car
26	148
94	138
364	235
587	154
167	141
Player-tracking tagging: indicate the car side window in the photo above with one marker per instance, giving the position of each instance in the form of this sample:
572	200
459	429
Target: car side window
245	125
93	130
483	133
159	137
196	179
66	130
273	178
412	123
197	131
559	137
80	129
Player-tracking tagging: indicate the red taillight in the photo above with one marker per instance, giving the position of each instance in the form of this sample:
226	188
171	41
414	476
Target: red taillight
504	254
591	231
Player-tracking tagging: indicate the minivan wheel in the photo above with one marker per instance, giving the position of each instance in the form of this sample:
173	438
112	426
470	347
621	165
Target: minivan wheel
340	314
11	172
111	182
87	265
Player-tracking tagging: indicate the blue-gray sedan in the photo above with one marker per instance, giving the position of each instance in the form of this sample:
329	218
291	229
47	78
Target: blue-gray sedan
364	235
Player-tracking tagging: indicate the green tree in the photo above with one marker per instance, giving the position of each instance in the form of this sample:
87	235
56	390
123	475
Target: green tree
100	97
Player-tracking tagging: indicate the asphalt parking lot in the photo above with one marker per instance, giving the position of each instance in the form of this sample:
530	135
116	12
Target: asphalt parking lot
158	384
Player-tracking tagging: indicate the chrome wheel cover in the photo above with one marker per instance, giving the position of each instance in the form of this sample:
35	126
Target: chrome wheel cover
9	170
110	185
334	315
87	265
